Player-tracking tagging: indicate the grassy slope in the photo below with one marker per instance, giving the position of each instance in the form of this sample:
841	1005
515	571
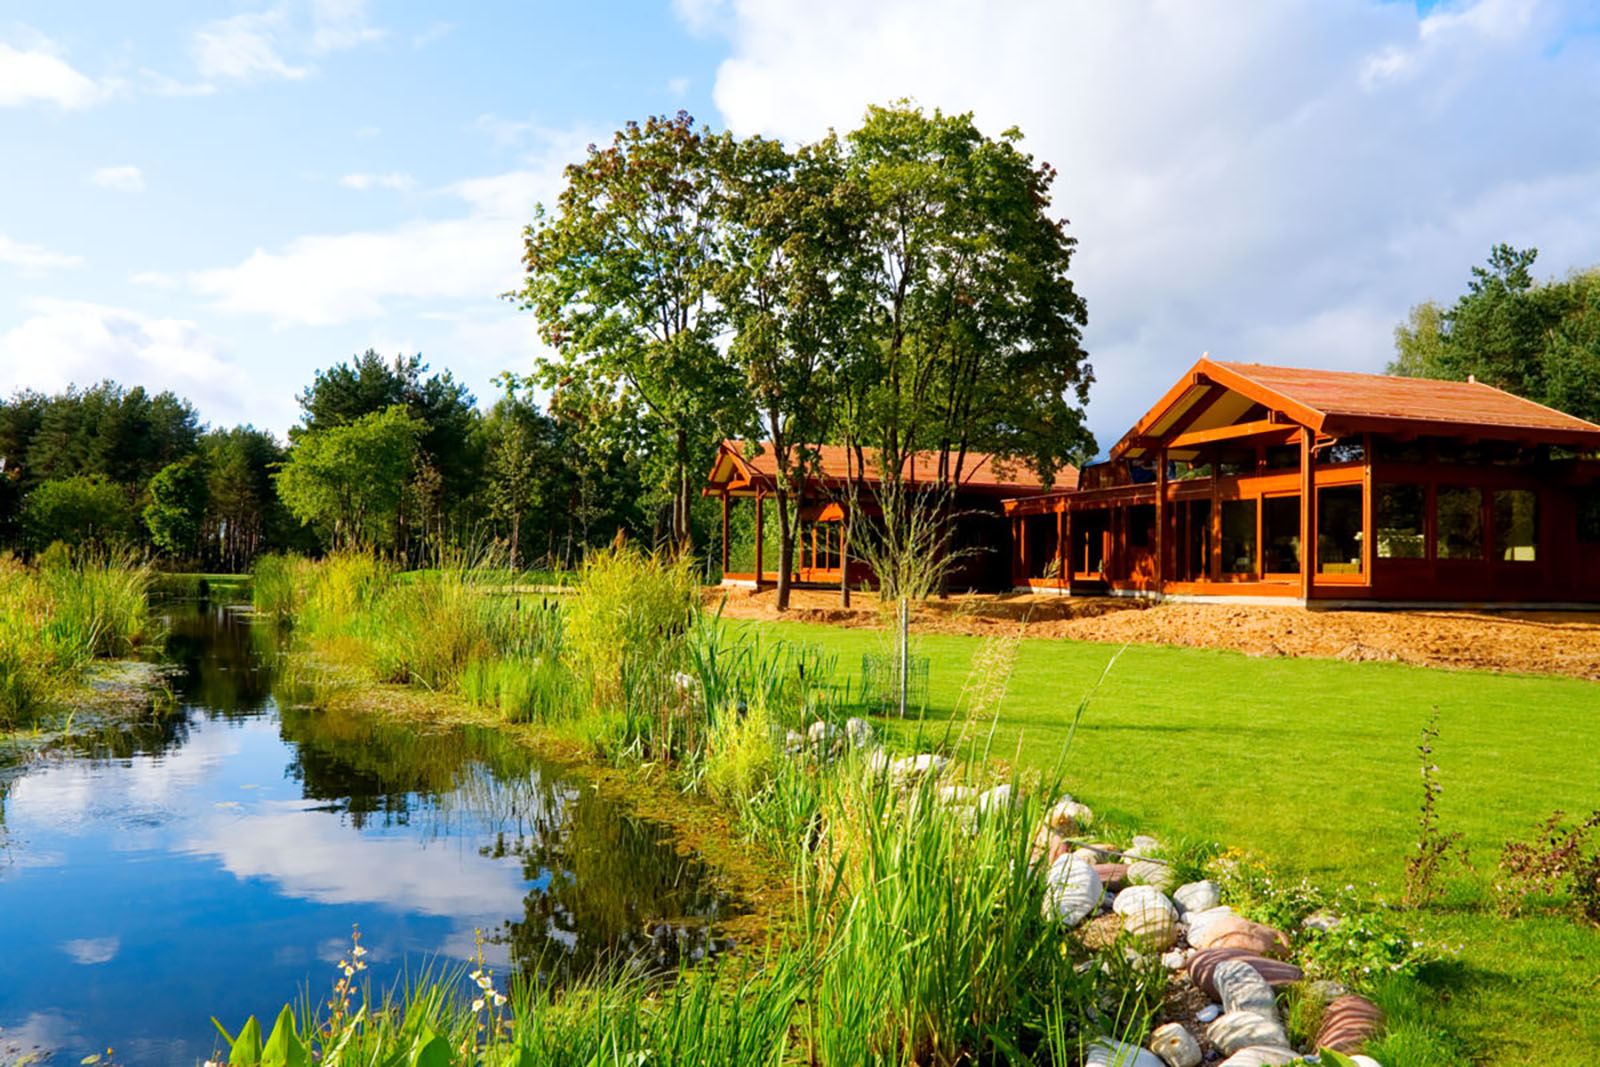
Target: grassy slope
1313	764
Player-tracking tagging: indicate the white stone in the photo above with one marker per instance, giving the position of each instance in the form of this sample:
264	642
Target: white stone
1320	920
1143	845
1364	1061
1148	915
1175	1045
1107	1053
1241	988
1196	896
956	794
1232	1031
1072	890
1263	1056
876	763
1207	1013
1089	855
793	742
912	767
1149	872
1067	817
994	800
1199	920
1173	960
859	731
822	734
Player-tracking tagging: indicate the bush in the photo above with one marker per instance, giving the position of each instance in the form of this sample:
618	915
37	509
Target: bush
626	624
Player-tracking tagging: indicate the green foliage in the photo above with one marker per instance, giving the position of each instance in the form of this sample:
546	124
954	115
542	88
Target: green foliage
177	507
350	479
79	510
626	626
1540	340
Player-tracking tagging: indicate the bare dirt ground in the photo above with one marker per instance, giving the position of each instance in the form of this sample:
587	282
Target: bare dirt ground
1530	642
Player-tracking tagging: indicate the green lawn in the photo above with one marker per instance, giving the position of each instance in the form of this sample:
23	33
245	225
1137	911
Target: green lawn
1313	764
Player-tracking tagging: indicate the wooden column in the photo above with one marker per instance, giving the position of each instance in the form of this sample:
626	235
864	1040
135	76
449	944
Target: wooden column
760	537
724	533
1369	511
1161	520
1068	557
1061	548
1308	512
1214	557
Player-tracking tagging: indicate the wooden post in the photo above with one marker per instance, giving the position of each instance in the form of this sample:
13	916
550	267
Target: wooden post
1069	560
760	537
724	533
1369	511
1061	547
1161	520
1214	557
1308	510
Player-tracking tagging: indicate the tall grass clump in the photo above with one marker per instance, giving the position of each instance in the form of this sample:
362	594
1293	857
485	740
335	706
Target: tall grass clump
629	620
55	618
278	584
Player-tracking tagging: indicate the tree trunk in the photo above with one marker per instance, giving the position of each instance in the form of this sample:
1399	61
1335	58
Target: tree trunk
516	538
844	559
785	547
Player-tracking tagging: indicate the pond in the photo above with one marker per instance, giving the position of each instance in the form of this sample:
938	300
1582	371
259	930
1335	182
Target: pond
214	862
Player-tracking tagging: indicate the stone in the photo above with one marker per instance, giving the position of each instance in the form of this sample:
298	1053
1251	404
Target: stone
1208	1013
1072	891
1112	875
823	735
876	763
1231	931
1142	845
1232	1031
1196	896
911	768
1348	1023
1320	920
1203	964
1172	960
956	794
1148	915
793	743
1068	817
1263	1056
1241	988
1175	1045
1149	872
1098	853
1364	1061
1107	1053
1198	921
1325	990
994	800
859	731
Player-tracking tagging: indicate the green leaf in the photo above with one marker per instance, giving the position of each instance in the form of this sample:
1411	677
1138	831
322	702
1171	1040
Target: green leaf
283	1048
246	1050
93	1057
431	1053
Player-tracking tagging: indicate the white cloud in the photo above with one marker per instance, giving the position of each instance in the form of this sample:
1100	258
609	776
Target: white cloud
1276	180
33	257
39	75
128	178
68	341
92	950
244	47
340	24
394	180
154	278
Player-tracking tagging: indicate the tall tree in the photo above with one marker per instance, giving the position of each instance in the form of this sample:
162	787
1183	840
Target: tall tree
796	300
349	479
177	508
524	465
243	515
621	279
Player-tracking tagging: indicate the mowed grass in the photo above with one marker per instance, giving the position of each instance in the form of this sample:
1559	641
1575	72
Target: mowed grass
1313	764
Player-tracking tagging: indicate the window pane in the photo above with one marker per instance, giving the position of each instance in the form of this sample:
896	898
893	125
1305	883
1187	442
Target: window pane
1142	525
1400	515
1460	522
1238	536
1235	461
1282	534
1198	536
1516	524
1283	457
1589	515
1391	451
1339	530
1344	450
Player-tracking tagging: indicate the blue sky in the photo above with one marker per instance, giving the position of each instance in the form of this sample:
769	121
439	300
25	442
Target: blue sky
223	198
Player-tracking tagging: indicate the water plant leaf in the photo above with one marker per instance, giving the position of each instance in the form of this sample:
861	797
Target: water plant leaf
283	1048
434	1052
246	1050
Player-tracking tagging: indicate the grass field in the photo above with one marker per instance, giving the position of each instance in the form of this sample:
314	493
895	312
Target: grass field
1313	764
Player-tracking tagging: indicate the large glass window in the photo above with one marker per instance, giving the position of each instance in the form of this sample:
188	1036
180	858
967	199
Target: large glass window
1281	533
1197	539
1238	536
1339	525
1283	457
1390	450
1401	509
1344	450
1516	525
1589	515
1142	525
1236	461
1460	522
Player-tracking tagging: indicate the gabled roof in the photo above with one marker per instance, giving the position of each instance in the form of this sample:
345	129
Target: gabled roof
981	472
1335	403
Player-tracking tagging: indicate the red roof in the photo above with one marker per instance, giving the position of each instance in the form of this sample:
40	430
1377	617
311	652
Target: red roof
980	471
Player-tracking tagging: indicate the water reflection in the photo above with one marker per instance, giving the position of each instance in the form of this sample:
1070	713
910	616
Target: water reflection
214	861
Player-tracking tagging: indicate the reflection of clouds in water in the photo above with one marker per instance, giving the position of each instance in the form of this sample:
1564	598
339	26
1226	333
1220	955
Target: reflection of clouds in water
307	854
40	1031
89	950
73	793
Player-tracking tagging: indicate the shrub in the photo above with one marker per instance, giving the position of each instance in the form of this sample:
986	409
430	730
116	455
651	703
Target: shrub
626	624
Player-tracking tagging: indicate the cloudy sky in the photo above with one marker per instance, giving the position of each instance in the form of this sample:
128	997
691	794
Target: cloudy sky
223	198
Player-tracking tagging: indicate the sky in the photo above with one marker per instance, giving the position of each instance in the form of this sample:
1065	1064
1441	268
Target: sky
224	198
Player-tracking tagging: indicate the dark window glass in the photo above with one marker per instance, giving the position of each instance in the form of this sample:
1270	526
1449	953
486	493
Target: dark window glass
1182	470
1460	522
1401	510
1391	451
1142	525
1589	515
1089	539
1283	457
1238	536
1339	525
1344	450
1281	532
1198	537
1516	525
1232	462
1448	451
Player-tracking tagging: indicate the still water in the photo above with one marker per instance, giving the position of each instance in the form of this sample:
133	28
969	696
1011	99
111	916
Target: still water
153	876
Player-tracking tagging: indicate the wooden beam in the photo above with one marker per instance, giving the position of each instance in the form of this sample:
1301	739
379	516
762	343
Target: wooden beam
1161	520
724	531
1308	507
759	538
1226	433
1212	394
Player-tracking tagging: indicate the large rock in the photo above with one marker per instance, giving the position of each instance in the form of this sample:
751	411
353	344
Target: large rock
1263	1056
1348	1023
911	768
1112	875
824	735
1198	921
1068	817
1234	932
956	794
1148	915
859	731
1240	987
1233	1031
996	799
1072	890
1204	963
1196	896
1150	872
1107	1053
1143	845
1176	1046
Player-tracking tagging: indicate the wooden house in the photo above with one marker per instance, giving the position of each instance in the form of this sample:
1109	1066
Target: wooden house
1327	488
745	476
